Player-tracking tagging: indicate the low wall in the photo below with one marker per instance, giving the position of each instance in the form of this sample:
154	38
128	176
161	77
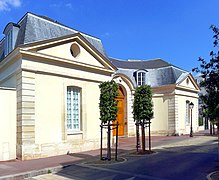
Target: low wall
7	124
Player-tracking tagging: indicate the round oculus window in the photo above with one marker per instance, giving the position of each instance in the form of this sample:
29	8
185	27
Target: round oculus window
75	50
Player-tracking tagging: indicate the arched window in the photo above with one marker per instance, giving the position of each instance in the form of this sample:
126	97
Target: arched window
10	32
141	77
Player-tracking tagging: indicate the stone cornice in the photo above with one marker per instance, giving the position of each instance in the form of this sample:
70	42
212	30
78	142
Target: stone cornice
34	56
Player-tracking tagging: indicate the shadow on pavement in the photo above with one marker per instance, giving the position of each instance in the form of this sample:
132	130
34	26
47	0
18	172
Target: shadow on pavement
179	162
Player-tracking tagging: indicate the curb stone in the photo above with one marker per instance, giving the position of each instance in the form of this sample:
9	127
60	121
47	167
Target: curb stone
93	163
30	174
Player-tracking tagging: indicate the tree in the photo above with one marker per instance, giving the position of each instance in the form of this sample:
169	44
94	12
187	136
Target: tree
108	108
210	74
108	104
143	109
209	71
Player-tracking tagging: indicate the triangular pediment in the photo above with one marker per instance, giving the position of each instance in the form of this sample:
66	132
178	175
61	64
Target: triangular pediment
74	48
188	82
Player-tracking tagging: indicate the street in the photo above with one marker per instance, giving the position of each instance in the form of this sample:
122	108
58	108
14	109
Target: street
192	158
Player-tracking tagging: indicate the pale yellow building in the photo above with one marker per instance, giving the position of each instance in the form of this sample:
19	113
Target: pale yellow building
173	90
49	79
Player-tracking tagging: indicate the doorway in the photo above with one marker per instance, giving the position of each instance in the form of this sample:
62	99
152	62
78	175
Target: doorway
120	114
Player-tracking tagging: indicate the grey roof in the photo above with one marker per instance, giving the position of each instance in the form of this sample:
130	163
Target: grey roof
35	28
2	48
140	64
164	76
158	71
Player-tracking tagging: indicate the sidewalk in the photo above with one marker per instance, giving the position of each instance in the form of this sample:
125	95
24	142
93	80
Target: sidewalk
26	169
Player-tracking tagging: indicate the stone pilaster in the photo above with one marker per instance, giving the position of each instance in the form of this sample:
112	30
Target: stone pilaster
130	119
25	113
171	116
176	115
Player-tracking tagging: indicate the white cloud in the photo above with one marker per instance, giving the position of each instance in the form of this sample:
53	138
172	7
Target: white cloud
55	5
68	5
106	35
16	3
5	5
61	5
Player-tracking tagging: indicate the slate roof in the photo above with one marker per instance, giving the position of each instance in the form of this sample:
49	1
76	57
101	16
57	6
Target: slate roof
35	28
159	72
2	49
140	64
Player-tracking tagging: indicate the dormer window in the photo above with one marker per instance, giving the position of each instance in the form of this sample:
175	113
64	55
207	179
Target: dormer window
141	77
11	32
8	41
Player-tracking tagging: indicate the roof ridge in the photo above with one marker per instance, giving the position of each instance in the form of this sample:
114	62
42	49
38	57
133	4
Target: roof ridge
136	60
117	59
176	67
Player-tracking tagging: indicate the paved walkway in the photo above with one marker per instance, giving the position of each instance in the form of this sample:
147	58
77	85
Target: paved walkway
45	168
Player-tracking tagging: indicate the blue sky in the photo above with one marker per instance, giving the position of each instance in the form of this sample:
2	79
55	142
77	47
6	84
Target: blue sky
176	31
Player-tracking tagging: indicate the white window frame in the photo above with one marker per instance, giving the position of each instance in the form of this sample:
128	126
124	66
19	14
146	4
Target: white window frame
142	79
72	115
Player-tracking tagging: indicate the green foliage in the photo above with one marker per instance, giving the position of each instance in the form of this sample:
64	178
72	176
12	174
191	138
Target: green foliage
143	106
210	74
49	171
108	104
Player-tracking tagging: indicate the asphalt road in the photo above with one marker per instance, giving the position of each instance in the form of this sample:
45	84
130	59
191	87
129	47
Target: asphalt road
188	160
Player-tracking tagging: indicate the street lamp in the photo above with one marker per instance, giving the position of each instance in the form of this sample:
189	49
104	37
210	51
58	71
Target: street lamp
191	105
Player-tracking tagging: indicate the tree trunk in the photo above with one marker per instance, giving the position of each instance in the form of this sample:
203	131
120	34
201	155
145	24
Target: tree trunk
143	135
218	136
101	142
211	133
137	136
213	128
108	143
116	153
149	129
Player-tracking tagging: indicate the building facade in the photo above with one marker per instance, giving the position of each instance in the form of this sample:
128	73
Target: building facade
52	74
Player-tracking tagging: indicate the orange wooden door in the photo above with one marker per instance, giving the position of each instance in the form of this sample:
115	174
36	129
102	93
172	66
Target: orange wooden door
120	115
